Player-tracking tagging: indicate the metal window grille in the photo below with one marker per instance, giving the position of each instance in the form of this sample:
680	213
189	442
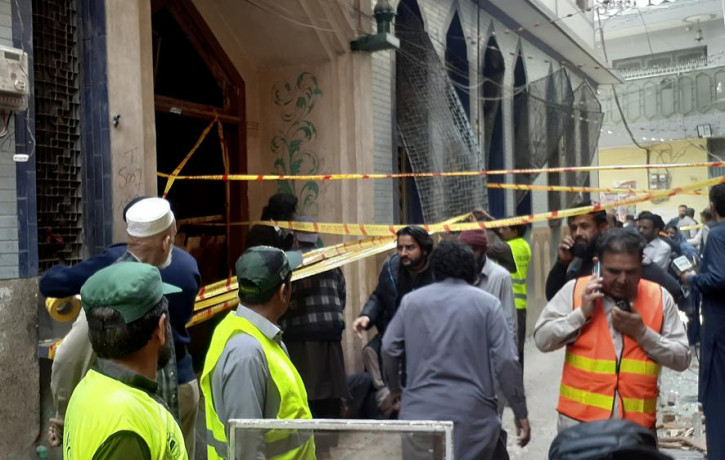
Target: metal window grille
56	49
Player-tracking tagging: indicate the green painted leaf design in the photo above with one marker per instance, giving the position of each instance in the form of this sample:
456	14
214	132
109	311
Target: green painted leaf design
296	102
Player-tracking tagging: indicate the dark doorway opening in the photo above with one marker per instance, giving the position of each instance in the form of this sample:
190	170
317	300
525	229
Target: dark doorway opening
457	62
408	22
195	84
409	203
493	72
521	133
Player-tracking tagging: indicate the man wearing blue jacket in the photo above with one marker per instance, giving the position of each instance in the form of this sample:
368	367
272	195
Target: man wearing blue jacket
710	282
151	228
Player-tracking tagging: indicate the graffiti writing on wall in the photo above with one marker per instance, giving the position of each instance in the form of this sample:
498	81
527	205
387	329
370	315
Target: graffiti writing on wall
296	101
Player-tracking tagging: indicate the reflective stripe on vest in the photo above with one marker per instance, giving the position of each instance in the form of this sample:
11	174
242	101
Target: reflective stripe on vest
102	406
591	377
587	398
280	444
522	256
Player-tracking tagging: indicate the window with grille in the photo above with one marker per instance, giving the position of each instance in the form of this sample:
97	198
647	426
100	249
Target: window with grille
56	51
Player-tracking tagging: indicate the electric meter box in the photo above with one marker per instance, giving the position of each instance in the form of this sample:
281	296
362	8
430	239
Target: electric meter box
14	82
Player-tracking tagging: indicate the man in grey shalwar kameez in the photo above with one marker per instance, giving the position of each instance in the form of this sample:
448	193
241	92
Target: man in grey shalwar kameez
453	335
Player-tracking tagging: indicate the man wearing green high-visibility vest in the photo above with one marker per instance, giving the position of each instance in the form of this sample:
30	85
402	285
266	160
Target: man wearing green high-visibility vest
514	237
115	411
247	373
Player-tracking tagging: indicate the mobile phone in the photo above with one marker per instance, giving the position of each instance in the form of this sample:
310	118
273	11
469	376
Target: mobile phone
682	264
597	271
624	305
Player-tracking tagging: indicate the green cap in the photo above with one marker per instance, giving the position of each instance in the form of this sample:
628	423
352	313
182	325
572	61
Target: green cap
262	269
131	288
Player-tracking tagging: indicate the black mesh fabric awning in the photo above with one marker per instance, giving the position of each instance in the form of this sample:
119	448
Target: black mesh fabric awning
548	112
434	129
590	126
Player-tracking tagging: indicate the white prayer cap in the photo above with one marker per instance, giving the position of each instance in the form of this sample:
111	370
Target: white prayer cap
149	217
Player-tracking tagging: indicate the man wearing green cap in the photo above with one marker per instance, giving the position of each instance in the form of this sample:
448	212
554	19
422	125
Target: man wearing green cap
114	411
247	373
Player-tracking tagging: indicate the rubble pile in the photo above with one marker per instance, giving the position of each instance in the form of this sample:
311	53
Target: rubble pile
680	421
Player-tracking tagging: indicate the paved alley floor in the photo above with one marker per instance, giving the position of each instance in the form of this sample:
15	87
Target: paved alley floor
542	375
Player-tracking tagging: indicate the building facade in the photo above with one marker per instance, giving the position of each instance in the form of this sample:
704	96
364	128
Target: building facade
671	98
123	90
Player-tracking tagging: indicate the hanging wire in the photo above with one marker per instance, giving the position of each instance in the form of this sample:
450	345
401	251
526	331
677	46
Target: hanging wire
287	18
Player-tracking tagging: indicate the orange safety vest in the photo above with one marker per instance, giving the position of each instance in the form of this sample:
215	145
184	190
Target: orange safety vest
593	376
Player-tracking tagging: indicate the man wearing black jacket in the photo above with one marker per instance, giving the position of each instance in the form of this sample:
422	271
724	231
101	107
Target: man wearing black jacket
577	250
403	272
413	251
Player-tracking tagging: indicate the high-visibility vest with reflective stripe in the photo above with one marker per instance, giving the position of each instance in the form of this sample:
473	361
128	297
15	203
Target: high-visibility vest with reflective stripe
102	406
280	444
522	256
592	378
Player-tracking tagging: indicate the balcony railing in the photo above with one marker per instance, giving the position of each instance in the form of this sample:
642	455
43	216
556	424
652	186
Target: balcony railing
667	96
666	70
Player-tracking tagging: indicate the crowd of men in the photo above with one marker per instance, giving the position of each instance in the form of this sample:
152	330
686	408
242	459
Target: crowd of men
450	323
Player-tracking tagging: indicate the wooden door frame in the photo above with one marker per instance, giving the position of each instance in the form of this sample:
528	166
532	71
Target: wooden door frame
231	115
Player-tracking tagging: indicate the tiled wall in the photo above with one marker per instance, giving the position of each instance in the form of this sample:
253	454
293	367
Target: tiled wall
95	143
9	251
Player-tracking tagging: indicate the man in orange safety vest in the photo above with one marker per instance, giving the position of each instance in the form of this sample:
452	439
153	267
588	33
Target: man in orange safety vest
618	329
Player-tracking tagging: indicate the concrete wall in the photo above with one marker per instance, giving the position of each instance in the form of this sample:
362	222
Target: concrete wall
686	151
19	399
8	192
131	95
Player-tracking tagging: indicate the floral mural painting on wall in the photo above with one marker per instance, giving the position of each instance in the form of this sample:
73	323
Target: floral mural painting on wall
296	101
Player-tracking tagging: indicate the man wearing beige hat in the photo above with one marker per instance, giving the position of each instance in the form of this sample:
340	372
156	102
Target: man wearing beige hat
151	229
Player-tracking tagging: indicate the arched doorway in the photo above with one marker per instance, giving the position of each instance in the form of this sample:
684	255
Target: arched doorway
457	63
493	72
408	24
521	133
195	84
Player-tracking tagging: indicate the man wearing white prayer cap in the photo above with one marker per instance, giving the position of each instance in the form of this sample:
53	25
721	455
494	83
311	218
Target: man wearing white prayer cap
151	230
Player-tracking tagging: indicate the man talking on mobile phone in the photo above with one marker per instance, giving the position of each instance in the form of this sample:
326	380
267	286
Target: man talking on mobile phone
618	329
577	251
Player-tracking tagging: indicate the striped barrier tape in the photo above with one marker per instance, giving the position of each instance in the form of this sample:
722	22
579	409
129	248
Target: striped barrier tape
221	295
175	173
390	230
356	176
314	262
575	189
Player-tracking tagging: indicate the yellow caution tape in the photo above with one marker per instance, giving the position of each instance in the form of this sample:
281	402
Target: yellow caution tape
572	189
63	310
356	176
188	156
389	230
222	295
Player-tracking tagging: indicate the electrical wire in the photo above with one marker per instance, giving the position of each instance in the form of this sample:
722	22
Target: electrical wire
509	94
614	89
287	18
